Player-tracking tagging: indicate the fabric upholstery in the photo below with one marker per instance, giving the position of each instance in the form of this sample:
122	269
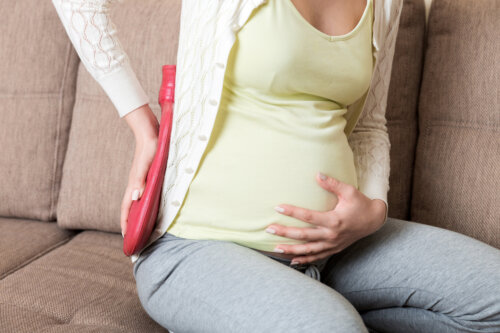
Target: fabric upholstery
457	174
402	105
101	147
55	280
25	240
36	99
86	285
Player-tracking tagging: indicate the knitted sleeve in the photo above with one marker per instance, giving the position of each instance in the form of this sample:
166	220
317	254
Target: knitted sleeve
94	37
369	139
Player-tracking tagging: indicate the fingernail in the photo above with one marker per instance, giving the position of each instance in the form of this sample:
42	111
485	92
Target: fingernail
279	209
322	176
278	250
123	234
271	230
135	195
294	262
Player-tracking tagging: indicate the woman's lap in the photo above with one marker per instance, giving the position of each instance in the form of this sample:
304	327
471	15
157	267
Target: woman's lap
412	277
218	286
406	277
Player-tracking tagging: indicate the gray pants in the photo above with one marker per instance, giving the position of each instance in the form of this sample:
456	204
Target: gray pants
406	277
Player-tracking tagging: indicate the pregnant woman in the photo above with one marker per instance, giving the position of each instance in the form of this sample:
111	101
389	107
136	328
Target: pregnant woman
274	208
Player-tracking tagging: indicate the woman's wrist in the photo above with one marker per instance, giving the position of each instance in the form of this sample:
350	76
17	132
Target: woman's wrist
380	209
143	123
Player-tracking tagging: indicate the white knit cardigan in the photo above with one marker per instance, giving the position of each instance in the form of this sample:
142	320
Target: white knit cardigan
213	24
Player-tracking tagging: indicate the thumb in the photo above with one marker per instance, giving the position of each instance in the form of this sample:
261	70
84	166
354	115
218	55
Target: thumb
331	184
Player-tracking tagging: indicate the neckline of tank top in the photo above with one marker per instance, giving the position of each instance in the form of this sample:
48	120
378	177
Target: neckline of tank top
325	35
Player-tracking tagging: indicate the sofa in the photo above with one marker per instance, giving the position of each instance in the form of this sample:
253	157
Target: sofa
65	153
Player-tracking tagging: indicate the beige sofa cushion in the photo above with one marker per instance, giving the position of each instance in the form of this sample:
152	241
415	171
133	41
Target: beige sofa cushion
402	105
25	240
86	285
101	145
38	74
457	173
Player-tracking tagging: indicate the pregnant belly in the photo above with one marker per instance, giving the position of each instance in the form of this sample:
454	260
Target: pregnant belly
250	167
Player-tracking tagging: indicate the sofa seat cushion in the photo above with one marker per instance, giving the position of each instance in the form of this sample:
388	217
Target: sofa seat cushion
85	285
25	240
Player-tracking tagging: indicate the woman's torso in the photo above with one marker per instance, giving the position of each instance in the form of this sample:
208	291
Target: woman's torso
280	121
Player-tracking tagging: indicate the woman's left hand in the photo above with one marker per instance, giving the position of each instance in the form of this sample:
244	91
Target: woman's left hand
354	217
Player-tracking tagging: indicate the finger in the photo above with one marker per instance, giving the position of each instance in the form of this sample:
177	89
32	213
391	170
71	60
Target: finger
124	210
335	186
304	214
314	257
132	194
135	188
308	248
308	234
139	179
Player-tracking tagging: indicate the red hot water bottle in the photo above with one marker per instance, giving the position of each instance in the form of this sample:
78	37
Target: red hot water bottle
144	211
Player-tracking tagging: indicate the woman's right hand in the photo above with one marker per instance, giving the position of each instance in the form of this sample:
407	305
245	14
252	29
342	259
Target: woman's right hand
145	127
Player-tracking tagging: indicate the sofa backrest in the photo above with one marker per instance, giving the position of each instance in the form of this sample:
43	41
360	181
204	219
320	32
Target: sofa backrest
402	103
101	145
449	116
100	151
457	170
37	89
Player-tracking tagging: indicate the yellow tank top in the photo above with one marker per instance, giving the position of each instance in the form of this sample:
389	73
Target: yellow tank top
286	89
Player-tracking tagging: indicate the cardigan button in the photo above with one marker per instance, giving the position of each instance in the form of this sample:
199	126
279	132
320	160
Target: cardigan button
202	137
235	26
220	64
176	203
189	170
213	101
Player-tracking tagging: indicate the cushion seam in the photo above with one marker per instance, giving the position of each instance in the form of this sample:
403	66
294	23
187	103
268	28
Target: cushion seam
34	310
58	132
30	260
